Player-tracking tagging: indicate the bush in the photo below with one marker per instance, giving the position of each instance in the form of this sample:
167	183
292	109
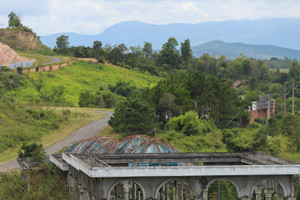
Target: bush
189	124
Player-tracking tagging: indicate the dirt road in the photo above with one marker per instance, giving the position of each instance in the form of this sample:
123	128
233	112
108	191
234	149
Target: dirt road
84	132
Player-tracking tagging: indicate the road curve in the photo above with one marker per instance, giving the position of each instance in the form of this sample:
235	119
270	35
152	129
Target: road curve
53	60
84	132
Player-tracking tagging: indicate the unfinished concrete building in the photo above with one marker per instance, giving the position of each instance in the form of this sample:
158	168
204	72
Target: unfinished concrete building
141	168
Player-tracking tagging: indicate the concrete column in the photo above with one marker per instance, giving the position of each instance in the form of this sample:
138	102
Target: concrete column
279	196
258	190
126	188
134	191
81	193
167	191
204	194
268	193
139	195
86	195
245	198
173	193
179	191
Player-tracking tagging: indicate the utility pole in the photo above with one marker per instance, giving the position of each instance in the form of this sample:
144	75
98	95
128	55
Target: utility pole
268	99
214	134
285	93
293	96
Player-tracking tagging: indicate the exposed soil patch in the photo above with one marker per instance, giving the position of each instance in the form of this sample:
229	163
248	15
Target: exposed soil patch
8	55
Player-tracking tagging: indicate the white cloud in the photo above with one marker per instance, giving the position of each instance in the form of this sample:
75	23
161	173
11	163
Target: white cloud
93	16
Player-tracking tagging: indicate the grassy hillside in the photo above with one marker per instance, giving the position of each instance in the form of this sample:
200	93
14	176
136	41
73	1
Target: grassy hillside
75	78
19	123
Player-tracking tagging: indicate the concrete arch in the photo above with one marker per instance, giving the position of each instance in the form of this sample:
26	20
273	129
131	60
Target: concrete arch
173	179
226	179
134	181
271	179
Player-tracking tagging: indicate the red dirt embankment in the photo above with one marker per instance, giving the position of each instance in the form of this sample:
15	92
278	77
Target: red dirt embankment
56	67
8	55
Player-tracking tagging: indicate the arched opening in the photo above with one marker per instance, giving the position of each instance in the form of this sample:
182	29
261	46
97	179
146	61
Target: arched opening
174	190
222	189
126	190
268	189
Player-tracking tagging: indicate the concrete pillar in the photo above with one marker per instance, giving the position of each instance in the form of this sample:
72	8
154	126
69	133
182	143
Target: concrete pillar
167	191
246	198
179	191
268	193
126	188
258	190
204	194
134	191
162	193
86	195
279	196
173	193
81	192
139	195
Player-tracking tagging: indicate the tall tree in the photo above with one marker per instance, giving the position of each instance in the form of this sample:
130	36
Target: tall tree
98	51
169	55
133	116
14	20
186	51
294	71
147	50
62	42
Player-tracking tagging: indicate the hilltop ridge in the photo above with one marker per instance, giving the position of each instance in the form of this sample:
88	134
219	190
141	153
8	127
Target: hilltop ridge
21	39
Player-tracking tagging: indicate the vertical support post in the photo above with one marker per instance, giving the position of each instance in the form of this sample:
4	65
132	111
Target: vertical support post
167	191
139	195
258	190
163	193
268	193
284	101
279	196
269	99
173	192
134	191
204	195
126	188
293	95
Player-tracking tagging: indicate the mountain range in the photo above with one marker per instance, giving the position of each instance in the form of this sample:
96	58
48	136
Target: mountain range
233	50
282	32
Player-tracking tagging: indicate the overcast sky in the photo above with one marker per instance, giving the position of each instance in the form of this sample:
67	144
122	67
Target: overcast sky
94	16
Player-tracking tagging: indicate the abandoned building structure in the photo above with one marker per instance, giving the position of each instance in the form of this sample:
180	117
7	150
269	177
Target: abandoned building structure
263	108
141	168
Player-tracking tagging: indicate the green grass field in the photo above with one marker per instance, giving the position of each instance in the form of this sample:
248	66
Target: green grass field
81	76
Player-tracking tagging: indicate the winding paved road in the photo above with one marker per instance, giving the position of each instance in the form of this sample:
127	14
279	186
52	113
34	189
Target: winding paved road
84	132
53	60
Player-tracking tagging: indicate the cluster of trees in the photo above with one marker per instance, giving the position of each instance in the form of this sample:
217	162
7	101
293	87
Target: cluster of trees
63	47
180	93
100	99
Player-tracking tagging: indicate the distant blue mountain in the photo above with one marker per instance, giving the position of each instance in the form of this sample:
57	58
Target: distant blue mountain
234	50
282	32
